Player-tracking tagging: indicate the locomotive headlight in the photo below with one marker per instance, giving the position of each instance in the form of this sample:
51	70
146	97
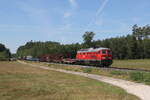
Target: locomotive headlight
109	57
103	57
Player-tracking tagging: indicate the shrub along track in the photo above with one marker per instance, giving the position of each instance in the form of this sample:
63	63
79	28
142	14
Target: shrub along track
107	68
140	90
125	69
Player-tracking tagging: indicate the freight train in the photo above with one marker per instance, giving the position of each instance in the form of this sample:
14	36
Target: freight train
101	57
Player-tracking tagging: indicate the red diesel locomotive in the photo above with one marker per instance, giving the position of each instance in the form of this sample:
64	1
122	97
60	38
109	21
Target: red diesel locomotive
98	56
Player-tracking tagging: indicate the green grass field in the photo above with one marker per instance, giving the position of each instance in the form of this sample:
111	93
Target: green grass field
140	77
136	64
22	82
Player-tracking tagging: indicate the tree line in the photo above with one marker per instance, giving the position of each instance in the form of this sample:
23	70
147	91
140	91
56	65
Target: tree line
37	49
132	46
4	53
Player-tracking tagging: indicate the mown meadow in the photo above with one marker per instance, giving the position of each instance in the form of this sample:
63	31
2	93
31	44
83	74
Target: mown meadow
22	82
136	76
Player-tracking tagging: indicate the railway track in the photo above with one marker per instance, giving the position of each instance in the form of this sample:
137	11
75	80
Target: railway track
107	68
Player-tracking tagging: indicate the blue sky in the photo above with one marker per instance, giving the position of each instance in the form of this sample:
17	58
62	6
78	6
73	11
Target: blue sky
66	21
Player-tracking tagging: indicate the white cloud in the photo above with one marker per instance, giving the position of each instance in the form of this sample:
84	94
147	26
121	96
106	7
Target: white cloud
67	14
73	3
98	13
36	14
72	10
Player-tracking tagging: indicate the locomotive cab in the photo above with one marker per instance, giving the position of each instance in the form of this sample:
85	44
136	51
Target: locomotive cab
106	57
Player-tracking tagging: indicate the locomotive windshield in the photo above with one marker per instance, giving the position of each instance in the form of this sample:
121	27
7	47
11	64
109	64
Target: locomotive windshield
109	52
103	51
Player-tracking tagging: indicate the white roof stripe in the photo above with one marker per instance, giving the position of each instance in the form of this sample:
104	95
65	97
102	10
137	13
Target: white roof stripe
92	50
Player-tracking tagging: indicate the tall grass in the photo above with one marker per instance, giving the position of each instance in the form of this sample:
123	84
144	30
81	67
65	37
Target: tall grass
118	73
140	77
143	77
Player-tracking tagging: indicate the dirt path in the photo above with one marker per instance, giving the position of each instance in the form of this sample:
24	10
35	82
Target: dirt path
140	90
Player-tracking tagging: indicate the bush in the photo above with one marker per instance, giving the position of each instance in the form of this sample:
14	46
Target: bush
136	76
87	70
117	73
146	77
140	76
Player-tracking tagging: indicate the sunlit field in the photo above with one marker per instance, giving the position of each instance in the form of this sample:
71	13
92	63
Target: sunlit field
136	64
22	82
136	76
